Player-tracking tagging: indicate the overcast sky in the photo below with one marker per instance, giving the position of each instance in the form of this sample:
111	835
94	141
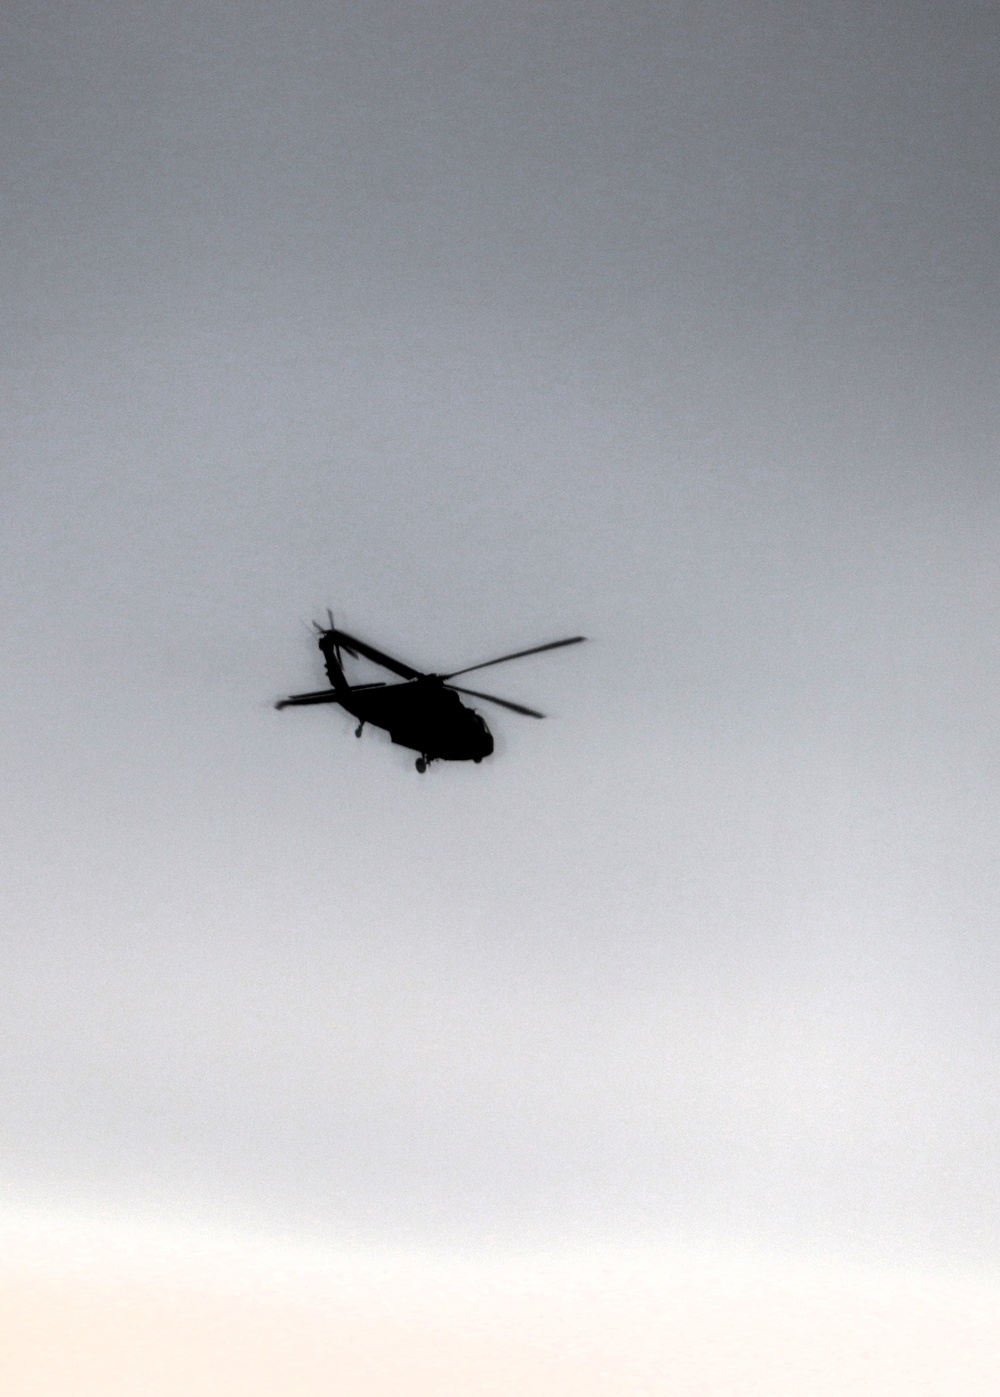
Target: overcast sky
675	324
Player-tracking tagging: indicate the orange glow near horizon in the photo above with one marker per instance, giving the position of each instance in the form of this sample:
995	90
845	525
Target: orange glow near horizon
102	1310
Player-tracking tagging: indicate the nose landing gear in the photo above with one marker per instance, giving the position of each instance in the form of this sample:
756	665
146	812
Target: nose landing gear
358	729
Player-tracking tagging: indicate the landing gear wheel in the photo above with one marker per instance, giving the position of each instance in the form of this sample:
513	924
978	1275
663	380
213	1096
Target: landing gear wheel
357	730
421	764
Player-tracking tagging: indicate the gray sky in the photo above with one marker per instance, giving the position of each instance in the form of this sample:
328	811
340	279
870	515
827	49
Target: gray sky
675	324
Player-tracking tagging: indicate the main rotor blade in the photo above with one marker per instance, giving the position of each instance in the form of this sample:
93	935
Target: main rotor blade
351	645
492	698
298	700
502	659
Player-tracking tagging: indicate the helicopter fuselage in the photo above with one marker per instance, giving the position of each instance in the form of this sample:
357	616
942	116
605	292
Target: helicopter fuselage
423	715
419	713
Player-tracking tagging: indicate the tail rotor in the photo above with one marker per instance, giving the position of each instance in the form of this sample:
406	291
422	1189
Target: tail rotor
330	629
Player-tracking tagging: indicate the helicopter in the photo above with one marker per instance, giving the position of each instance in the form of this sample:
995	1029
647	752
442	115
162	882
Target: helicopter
424	711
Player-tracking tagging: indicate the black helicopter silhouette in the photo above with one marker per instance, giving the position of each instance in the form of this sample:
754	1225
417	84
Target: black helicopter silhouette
424	712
